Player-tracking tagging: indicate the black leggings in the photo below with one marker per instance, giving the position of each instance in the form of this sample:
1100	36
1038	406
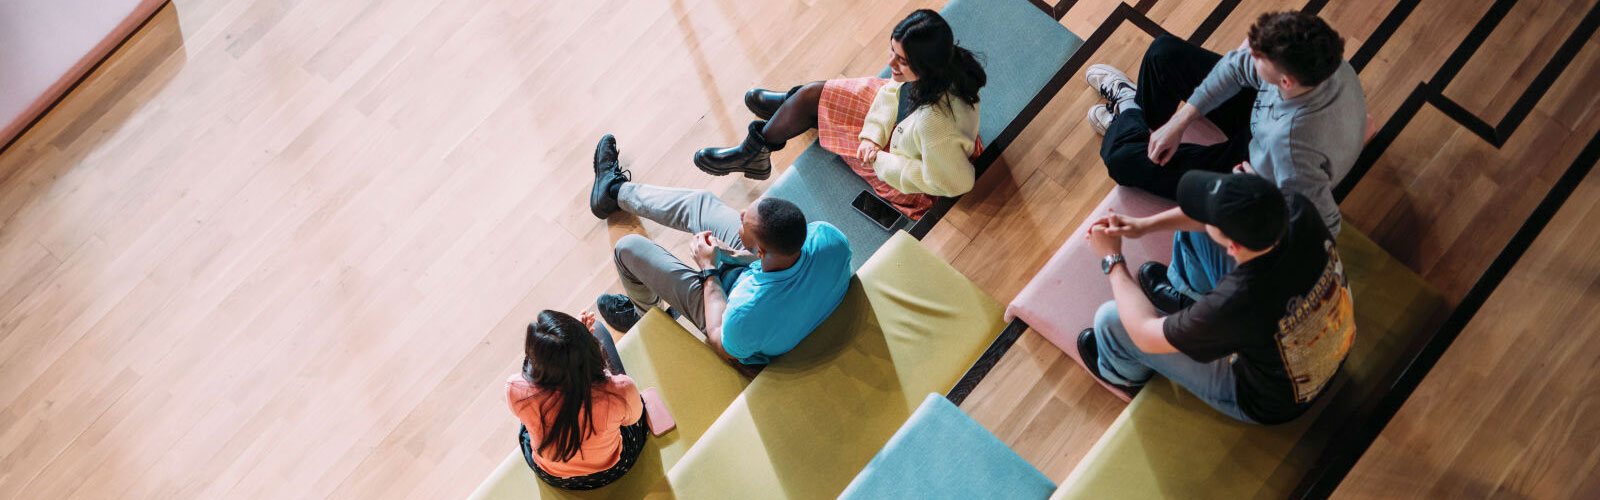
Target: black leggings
633	437
1171	70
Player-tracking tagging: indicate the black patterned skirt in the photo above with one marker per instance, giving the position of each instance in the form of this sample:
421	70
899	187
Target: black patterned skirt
632	444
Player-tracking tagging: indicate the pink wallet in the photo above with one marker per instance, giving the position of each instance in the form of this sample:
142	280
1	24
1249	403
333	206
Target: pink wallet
656	412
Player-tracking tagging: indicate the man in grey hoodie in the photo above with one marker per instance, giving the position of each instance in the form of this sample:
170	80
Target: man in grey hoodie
1291	107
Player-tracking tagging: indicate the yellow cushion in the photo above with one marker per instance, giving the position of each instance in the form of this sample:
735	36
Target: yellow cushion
909	325
694	383
1168	443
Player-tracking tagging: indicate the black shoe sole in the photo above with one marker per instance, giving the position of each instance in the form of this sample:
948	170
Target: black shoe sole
699	160
600	202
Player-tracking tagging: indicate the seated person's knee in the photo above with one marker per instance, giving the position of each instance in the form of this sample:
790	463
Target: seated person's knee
630	244
1106	315
1164	46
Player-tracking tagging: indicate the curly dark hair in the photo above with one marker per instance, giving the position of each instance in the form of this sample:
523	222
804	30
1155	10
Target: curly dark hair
1301	45
783	226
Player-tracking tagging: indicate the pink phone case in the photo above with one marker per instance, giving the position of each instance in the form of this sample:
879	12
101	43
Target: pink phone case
660	420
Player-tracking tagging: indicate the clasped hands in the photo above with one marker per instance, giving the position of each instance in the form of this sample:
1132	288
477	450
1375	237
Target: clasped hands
703	248
1105	234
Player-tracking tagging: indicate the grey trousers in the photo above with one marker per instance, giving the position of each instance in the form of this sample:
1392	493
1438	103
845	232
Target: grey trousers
649	272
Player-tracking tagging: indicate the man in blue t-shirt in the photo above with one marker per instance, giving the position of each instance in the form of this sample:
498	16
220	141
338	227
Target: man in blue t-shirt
762	278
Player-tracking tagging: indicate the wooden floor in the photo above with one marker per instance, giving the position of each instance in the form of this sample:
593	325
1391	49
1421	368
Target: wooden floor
286	248
1509	412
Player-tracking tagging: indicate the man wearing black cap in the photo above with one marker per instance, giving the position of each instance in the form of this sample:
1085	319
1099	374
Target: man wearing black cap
1264	338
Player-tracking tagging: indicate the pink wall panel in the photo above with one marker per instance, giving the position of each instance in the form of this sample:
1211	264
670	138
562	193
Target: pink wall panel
47	45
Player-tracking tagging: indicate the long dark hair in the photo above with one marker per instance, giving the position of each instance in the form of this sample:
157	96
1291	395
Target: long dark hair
563	357
941	65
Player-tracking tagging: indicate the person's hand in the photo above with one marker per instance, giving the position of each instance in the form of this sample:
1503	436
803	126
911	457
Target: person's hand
702	250
1244	168
868	151
1122	226
587	318
1164	141
727	250
1101	242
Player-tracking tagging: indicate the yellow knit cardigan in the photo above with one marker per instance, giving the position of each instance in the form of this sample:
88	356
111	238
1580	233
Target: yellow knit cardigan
929	152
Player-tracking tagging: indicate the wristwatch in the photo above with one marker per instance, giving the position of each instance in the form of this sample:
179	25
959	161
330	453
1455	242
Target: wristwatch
1110	260
708	273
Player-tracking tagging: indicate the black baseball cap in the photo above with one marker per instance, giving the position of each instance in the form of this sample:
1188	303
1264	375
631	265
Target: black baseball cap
1246	207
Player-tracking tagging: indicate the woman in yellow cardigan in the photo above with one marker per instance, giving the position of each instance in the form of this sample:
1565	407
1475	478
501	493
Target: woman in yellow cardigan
912	136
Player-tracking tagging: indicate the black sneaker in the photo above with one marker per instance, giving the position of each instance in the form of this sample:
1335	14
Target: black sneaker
607	171
1090	354
605	151
1153	280
618	311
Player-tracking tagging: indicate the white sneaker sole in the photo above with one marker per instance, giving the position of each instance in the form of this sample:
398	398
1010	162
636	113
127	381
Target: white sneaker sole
1099	119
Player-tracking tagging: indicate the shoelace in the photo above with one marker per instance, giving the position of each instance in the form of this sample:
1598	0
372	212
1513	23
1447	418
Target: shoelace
1113	93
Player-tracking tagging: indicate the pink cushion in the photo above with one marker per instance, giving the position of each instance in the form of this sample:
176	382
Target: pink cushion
1061	299
46	45
1203	132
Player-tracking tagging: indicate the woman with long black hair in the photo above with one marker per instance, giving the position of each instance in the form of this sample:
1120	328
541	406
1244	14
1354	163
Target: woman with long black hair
910	136
582	424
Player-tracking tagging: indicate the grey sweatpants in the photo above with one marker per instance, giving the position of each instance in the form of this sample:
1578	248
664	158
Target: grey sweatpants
650	273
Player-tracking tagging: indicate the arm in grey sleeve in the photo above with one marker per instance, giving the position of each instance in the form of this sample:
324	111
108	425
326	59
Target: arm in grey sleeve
1308	176
1234	72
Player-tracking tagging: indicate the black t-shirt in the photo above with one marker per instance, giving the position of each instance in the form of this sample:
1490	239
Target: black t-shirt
904	107
1286	316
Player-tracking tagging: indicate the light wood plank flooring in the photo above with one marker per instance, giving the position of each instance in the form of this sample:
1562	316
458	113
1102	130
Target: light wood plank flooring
286	248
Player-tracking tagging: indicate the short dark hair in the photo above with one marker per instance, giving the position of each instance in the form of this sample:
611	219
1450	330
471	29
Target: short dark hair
1301	44
783	226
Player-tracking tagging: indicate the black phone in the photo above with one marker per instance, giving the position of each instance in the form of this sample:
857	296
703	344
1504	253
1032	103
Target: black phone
881	212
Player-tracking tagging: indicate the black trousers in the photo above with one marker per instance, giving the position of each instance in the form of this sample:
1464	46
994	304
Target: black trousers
1171	70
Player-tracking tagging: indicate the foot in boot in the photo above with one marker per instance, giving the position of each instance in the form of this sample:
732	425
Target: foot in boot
618	311
753	157
607	171
1089	353
764	102
1166	298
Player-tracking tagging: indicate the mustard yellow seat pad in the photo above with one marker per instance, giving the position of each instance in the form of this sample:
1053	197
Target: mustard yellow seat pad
909	325
1169	444
694	383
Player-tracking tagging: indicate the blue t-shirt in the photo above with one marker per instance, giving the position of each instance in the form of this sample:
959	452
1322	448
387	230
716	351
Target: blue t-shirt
771	312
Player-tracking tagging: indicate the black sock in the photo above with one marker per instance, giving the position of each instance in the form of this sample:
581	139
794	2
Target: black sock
615	189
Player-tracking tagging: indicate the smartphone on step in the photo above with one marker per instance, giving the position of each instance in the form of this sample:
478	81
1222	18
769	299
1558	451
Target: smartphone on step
875	208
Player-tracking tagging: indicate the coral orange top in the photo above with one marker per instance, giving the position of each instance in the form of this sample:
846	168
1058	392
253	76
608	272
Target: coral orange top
615	404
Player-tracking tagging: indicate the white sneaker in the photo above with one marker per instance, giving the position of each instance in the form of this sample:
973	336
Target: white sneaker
1100	117
1113	85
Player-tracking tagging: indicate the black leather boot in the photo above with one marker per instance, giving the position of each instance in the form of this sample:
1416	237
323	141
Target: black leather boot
764	102
753	157
1153	280
1089	353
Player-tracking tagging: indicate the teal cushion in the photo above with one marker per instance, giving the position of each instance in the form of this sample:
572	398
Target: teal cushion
1021	49
823	186
940	452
